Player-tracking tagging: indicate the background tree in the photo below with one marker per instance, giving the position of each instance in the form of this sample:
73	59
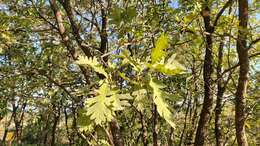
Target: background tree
117	72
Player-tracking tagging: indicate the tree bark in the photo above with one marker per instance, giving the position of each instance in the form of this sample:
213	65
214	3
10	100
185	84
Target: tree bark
45	131
220	93
103	34
194	109
170	138
74	26
208	82
115	130
55	123
155	134
144	130
65	37
240	112
7	125
67	126
186	117
114	126
19	124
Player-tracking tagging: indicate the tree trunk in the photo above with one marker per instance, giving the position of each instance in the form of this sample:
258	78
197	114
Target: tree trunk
220	93
170	138
46	131
240	112
186	117
114	126
155	134
67	126
19	124
144	130
194	109
74	26
54	127
115	130
6	128
208	87
55	123
65	38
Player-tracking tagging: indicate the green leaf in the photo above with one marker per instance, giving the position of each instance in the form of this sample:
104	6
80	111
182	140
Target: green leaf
129	60
140	99
98	107
102	108
129	13
116	15
119	15
159	52
159	100
84	121
99	111
92	63
120	101
171	67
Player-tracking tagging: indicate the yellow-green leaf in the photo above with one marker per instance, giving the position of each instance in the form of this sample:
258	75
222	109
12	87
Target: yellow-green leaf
171	67
159	51
98	107
159	100
102	107
92	62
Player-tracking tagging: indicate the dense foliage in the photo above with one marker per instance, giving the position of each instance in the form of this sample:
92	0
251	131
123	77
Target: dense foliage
129	72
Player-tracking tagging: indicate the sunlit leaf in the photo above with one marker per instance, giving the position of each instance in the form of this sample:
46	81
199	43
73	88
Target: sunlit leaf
159	100
120	101
102	107
92	62
84	121
140	99
171	67
159	52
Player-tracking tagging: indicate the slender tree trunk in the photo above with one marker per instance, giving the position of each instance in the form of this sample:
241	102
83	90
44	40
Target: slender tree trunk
20	124
15	109
115	130
46	131
103	34
54	127
74	26
6	128
144	130
74	122
56	110
208	87
155	117
109	136
67	126
190	134
4	136
240	114
220	93
194	109
186	117
114	126
170	138
65	38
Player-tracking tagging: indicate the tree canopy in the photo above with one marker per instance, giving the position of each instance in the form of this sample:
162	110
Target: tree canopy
130	72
